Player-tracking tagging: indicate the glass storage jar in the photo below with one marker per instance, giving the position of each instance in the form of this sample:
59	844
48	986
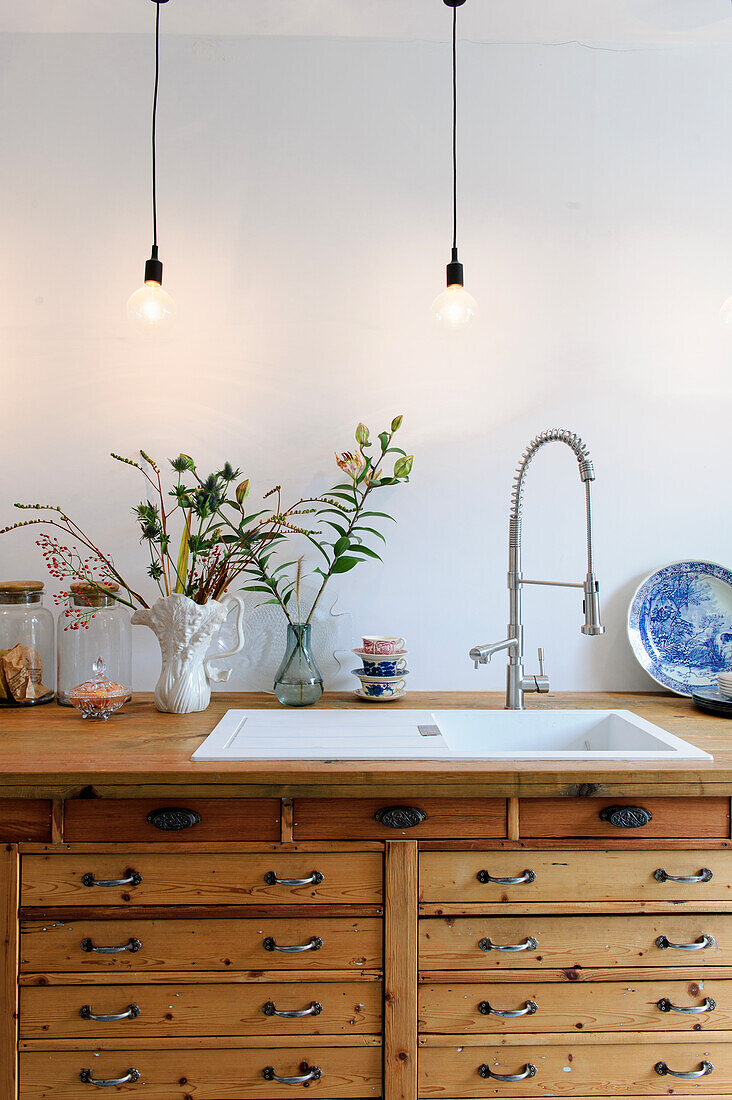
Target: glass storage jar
27	657
94	625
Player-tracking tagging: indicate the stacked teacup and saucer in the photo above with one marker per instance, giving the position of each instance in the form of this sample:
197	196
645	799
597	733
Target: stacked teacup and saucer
384	666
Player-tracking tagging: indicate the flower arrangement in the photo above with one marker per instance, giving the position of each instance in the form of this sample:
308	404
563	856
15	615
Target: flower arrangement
201	538
346	510
218	537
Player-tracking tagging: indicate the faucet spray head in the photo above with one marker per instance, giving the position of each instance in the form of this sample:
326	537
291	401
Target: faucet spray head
592	625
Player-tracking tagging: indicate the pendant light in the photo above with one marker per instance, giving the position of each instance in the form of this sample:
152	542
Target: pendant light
454	308
151	308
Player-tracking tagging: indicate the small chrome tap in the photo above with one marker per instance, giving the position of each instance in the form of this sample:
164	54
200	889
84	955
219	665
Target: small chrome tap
517	683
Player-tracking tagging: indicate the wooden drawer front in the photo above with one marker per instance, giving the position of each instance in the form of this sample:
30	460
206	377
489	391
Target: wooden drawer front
24	819
61	1012
223	1074
203	879
412	819
575	1069
569	1006
573	876
101	821
454	943
670	817
215	944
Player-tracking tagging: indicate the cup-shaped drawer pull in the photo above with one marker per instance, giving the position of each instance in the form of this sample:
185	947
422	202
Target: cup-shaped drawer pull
662	1069
707	1005
314	944
132	945
527	876
86	1077
130	1013
487	1009
132	878
173	819
314	1074
529	1070
487	944
626	817
662	875
700	944
269	1008
313	879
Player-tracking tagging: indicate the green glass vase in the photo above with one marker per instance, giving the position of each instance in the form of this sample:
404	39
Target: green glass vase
298	680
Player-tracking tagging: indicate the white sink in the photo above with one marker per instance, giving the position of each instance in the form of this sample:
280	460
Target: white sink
386	734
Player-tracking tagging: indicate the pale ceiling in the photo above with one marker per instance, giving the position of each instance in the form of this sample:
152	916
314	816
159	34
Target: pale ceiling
626	22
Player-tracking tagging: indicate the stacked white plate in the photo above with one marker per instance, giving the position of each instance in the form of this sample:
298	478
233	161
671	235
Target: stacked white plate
724	683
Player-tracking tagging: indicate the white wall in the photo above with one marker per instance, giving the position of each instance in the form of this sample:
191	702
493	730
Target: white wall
304	222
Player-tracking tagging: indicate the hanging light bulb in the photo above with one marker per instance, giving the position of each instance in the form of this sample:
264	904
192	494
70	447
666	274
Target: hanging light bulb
725	313
454	308
151	308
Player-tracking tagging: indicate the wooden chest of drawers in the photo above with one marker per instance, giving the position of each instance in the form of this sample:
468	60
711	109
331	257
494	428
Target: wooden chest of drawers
434	957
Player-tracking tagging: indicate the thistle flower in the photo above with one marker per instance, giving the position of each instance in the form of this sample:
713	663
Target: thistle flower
228	473
353	465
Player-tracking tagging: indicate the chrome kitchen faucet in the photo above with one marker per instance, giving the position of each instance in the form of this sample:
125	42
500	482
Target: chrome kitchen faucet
516	682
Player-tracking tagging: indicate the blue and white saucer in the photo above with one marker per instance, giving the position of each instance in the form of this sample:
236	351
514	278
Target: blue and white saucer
680	625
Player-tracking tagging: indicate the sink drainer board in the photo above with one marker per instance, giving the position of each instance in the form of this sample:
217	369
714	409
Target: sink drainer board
441	735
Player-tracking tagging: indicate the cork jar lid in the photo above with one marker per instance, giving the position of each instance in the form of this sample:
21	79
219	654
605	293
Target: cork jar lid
21	591
88	594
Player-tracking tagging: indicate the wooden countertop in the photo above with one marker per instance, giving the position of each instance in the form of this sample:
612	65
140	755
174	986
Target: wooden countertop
50	751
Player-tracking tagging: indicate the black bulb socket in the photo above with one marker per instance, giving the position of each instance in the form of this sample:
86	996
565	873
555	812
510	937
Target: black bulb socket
454	3
154	268
454	269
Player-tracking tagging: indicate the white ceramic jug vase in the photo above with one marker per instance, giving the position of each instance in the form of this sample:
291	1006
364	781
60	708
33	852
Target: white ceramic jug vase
185	631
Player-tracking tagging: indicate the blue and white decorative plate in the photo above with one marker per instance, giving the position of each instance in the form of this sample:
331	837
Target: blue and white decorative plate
680	625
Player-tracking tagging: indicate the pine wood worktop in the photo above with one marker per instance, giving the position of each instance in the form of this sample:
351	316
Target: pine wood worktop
50	751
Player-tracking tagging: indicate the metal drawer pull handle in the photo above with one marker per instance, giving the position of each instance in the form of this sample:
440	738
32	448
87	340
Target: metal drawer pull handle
315	1009
132	945
700	944
527	876
626	817
173	819
707	1005
486	1071
312	880
486	1008
487	944
130	1013
107	1083
314	944
313	1074
661	875
133	878
706	1067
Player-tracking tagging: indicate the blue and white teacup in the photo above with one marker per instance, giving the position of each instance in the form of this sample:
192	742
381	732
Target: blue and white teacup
384	666
383	689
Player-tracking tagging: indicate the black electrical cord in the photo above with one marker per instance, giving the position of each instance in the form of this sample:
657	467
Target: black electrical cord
154	126
454	128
